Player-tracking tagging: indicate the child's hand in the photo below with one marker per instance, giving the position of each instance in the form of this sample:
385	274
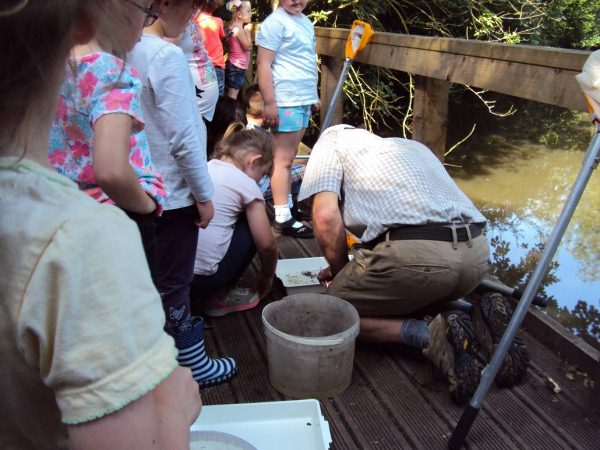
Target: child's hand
270	118
263	285
206	211
315	107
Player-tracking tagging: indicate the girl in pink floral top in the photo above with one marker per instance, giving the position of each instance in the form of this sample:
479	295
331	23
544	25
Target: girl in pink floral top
98	139
101	84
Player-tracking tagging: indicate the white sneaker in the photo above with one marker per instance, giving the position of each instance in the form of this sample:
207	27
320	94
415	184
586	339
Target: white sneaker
237	299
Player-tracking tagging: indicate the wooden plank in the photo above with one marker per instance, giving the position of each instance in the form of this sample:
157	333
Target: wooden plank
535	73
558	58
548	364
571	347
342	435
430	114
485	433
568	420
423	426
543	84
234	335
368	418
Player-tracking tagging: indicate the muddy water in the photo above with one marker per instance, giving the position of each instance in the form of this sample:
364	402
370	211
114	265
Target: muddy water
522	187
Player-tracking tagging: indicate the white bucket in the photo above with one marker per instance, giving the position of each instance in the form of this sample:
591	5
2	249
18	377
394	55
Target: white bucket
310	344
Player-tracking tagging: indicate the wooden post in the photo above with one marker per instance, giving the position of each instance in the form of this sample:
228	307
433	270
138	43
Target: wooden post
331	68
430	113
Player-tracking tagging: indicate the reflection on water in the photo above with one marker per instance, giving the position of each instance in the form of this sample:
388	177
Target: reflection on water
522	187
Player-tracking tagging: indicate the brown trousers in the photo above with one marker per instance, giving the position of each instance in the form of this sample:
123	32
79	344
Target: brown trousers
396	278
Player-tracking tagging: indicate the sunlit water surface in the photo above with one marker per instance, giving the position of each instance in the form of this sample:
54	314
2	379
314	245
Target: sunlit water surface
522	188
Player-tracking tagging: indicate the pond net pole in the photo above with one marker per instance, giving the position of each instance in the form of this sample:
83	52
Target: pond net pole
590	162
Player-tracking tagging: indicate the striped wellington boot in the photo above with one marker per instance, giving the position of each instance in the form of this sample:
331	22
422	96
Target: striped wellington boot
206	371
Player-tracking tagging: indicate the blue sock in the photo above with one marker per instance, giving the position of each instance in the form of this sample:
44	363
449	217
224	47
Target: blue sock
415	333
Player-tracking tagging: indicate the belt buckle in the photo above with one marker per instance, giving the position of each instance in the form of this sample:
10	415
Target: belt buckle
457	222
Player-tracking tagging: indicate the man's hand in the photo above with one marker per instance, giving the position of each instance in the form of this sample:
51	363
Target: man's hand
325	277
206	211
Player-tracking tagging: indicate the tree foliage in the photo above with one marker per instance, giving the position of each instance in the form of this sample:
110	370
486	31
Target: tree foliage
380	98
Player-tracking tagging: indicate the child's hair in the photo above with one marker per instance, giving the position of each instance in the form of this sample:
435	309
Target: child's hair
35	39
238	142
253	101
211	5
227	111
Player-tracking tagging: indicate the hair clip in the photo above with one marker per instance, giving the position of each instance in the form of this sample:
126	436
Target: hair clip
233	5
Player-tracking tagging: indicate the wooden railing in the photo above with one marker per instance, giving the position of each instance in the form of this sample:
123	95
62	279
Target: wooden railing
542	74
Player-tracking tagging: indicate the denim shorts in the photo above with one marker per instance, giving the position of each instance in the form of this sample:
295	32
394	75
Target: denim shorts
293	118
234	76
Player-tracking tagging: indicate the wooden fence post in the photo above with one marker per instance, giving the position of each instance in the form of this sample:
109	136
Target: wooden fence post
430	113
331	68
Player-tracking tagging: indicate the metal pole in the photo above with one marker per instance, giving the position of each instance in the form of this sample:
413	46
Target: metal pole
590	162
336	93
538	300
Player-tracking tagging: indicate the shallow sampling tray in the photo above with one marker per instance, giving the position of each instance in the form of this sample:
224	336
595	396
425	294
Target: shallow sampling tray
290	425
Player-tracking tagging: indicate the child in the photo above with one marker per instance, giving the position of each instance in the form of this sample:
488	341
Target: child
227	111
85	361
213	32
201	68
287	75
240	227
98	139
177	138
239	44
253	105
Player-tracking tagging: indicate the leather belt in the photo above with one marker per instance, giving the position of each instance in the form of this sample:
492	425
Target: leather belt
449	232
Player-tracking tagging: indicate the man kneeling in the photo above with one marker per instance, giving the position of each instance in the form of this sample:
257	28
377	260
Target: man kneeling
421	245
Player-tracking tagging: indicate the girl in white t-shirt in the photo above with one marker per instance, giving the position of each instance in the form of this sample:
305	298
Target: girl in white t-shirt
240	227
286	67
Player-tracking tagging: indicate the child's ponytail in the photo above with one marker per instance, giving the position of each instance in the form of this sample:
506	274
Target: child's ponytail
237	142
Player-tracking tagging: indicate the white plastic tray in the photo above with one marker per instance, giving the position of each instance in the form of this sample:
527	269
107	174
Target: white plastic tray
299	275
290	425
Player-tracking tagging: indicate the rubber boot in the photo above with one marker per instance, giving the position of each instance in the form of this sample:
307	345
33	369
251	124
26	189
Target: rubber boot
206	371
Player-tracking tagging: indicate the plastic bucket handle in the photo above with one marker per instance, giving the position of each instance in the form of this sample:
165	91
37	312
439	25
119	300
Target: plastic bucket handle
300	339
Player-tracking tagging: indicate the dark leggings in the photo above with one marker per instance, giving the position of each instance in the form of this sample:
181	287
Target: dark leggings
176	238
238	257
147	225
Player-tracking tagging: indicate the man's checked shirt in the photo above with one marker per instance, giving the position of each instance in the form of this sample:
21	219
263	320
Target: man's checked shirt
383	182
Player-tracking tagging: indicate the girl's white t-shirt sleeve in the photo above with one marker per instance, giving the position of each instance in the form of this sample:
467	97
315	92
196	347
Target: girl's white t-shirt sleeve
270	34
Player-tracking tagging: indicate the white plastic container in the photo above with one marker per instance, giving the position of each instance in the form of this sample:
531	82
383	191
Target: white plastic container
290	425
299	275
310	344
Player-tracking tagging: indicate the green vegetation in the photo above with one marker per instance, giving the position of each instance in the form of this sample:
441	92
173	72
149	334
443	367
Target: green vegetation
380	98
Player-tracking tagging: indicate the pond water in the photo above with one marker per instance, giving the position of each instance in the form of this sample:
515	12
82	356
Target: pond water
521	187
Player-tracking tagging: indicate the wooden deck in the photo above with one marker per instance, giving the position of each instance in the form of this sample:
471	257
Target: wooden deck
394	401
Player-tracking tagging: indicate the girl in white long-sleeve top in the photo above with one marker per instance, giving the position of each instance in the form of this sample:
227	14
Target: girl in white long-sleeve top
177	140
